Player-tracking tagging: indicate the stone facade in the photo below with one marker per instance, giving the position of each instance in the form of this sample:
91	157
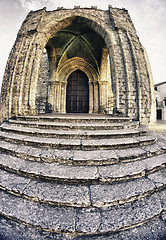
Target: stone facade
50	45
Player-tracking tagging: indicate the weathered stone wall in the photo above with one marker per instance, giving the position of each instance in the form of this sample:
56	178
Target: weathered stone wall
130	79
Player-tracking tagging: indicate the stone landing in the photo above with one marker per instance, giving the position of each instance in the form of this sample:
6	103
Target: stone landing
81	177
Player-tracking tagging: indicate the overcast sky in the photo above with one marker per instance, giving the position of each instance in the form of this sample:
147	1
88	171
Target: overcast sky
148	16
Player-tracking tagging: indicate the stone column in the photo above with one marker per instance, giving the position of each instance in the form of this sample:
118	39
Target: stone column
63	97
96	97
91	97
52	94
103	96
58	96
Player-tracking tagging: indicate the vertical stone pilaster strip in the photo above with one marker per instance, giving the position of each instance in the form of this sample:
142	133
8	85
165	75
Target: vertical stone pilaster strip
25	76
34	80
127	80
15	80
136	71
114	74
13	73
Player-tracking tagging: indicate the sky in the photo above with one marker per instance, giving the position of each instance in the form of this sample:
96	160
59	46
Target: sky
148	16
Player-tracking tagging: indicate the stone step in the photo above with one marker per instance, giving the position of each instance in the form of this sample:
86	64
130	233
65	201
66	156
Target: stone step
99	134
81	157
86	220
74	126
75	118
83	174
154	229
79	144
82	195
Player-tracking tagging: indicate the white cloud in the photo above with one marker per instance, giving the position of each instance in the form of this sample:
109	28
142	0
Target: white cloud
33	4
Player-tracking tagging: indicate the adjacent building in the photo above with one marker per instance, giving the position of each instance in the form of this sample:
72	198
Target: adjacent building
160	90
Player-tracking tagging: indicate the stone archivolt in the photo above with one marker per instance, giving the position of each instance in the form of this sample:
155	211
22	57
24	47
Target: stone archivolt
63	73
112	57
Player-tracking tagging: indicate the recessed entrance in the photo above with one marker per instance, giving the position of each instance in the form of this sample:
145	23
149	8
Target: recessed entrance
77	98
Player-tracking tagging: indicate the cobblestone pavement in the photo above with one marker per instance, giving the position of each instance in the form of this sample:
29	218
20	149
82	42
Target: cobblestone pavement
160	126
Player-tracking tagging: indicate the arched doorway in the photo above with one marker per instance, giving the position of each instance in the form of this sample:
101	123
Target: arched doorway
77	94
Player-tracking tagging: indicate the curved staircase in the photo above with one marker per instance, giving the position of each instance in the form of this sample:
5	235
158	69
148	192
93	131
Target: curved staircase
81	177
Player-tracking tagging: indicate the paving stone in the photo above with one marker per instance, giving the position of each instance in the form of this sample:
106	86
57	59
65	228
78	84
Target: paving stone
108	143
45	216
158	178
163	216
8	146
151	149
37	141
162	144
12	181
110	194
23	150
152	230
62	172
132	168
155	161
88	220
130	213
70	143
162	195
96	156
49	170
10	230
130	153
62	194
10	162
35	153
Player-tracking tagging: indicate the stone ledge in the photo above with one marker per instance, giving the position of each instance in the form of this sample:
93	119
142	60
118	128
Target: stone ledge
83	174
82	195
75	118
100	134
77	144
80	157
74	126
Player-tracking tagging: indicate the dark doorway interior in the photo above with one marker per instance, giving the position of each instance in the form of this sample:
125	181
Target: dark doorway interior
159	114
77	99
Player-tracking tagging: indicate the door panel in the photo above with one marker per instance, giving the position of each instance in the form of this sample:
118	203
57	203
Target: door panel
77	99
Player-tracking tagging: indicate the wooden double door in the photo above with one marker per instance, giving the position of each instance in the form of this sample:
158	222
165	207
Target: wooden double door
77	97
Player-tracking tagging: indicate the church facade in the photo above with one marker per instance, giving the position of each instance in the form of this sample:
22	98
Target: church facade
78	61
